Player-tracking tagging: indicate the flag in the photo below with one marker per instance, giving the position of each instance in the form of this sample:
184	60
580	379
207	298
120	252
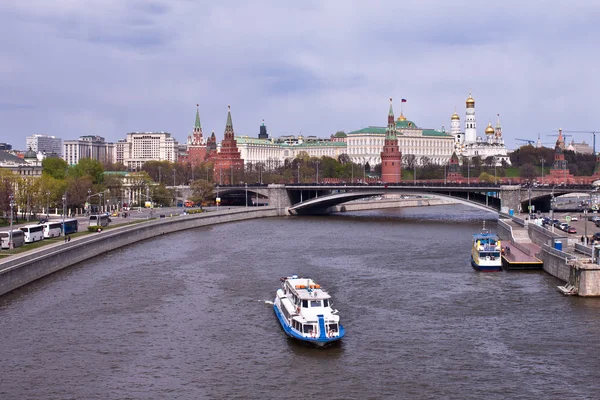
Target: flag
404	100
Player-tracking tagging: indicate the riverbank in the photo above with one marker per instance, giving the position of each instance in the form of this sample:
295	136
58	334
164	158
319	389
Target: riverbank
19	270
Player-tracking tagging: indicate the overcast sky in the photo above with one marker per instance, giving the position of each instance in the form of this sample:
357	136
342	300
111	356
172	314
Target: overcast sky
108	67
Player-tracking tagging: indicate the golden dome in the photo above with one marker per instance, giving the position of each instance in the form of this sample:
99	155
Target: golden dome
470	100
489	130
455	117
401	117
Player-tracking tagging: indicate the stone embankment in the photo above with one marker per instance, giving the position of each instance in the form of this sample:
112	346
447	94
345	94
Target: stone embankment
361	205
22	269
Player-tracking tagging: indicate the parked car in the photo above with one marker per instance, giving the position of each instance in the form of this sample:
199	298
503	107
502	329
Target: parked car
574	218
596	236
571	229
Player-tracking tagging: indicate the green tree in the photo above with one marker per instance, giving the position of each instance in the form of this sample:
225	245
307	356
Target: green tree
161	195
202	191
55	167
88	168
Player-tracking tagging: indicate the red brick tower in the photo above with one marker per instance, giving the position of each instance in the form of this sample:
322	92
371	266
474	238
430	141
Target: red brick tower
391	158
559	172
196	146
454	173
228	164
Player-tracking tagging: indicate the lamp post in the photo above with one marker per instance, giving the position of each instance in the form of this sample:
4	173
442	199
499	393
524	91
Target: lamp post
542	160
159	174
468	171
415	173
246	186
496	176
47	202
64	202
317	172
11	200
445	178
352	167
298	165
89	206
529	194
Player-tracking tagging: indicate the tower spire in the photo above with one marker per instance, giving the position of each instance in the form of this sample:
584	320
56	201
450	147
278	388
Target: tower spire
197	125
391	112
229	123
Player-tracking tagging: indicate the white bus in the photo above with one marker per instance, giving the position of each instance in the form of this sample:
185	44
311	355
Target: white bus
18	238
101	220
52	229
33	233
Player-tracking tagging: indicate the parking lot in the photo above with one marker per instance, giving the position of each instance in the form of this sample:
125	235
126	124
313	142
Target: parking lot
580	221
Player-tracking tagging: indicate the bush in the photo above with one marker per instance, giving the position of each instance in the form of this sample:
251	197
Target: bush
194	211
94	229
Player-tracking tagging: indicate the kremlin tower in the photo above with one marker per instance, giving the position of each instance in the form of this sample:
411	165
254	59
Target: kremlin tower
228	165
196	145
391	158
559	171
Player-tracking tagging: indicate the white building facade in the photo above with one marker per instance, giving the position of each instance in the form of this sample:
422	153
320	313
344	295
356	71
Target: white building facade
365	145
91	146
140	147
44	144
469	145
274	152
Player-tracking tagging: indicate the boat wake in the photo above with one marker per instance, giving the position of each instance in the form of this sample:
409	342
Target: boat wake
267	301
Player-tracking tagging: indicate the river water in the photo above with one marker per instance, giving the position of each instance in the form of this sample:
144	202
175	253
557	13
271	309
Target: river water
186	316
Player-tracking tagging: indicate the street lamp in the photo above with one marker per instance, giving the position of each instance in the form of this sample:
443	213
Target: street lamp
89	206
415	173
64	202
47	202
298	173
542	160
317	172
246	186
11	203
469	171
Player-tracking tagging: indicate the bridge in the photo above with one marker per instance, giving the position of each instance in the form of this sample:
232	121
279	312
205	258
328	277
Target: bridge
318	198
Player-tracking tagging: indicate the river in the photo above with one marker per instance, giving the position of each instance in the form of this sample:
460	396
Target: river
186	316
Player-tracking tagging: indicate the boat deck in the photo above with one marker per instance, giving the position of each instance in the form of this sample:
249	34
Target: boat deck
518	259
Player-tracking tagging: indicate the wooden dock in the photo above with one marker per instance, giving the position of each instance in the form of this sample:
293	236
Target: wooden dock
521	258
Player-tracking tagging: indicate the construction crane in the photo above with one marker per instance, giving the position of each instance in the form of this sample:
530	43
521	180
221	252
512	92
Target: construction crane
592	132
529	142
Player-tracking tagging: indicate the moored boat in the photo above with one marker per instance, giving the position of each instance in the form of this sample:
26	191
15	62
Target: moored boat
305	311
485	252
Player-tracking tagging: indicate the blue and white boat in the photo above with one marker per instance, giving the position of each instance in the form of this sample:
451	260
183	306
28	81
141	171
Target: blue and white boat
305	311
485	252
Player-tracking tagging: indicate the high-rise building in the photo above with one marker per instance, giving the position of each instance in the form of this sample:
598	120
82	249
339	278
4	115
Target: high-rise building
140	147
90	146
45	144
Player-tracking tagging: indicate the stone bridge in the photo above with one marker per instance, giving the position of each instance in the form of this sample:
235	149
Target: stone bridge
317	198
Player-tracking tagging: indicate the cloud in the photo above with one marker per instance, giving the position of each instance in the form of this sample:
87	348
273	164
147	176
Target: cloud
110	67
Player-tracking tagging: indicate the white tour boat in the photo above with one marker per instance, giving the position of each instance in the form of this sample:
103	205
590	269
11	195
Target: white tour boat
305	313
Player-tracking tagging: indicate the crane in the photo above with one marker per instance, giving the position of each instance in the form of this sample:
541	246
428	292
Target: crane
529	142
592	132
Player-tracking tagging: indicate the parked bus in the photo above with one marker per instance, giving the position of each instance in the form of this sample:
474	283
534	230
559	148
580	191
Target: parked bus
18	238
101	220
52	229
70	226
33	233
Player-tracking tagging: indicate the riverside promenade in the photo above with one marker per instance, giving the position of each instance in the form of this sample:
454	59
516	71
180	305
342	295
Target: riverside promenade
23	268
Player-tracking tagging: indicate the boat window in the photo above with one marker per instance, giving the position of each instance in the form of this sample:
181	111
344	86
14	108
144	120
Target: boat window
307	328
326	303
333	327
305	303
315	303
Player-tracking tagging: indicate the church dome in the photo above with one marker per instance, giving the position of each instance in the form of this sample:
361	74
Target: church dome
470	100
401	117
489	130
455	117
30	154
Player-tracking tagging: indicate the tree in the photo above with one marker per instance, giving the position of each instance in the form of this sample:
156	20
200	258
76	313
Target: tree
527	171
344	158
55	167
485	177
409	161
202	191
161	195
88	168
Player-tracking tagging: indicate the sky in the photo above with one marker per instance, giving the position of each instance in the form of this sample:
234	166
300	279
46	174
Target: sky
107	67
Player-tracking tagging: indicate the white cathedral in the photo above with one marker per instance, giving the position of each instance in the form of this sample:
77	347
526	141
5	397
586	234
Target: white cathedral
468	144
